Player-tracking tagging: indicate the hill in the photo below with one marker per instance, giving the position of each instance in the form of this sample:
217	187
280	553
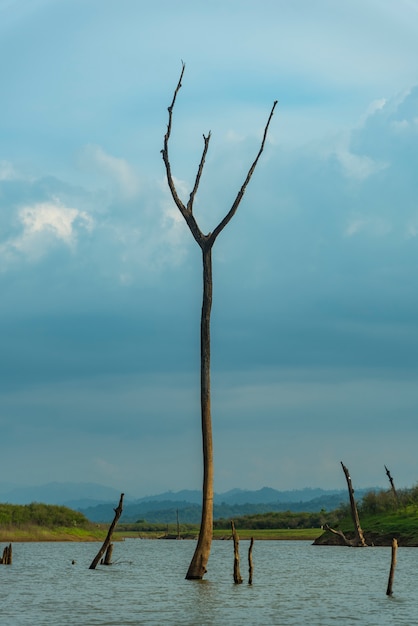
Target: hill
158	510
97	501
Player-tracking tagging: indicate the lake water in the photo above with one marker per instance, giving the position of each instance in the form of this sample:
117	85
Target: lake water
293	583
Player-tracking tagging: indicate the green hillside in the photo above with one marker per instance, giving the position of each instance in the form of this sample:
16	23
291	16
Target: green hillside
45	522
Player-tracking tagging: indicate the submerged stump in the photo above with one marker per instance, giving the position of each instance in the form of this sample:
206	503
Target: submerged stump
392	567
237	573
107	541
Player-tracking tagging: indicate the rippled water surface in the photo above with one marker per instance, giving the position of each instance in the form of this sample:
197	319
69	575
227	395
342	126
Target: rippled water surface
293	583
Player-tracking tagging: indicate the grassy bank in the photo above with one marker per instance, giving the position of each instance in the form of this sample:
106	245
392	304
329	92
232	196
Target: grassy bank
306	534
39	533
379	529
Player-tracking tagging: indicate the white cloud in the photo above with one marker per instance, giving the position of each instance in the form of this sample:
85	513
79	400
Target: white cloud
119	170
376	227
43	225
358	166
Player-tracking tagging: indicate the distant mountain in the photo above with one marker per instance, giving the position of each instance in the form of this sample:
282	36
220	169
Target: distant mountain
72	495
165	510
97	502
267	494
241	496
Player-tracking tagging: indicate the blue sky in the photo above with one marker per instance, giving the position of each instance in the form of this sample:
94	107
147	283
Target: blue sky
314	324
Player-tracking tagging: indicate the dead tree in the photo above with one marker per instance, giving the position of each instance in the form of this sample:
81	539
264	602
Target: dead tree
197	568
392	484
359	538
107	541
237	573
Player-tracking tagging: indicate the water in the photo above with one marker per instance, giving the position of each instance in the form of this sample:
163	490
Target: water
294	583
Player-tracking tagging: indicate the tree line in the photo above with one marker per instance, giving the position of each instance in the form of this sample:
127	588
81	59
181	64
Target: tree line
38	514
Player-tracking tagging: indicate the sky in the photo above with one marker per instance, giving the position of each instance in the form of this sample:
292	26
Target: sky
314	321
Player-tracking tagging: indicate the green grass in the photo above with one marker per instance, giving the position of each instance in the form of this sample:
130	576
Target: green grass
307	534
381	528
286	534
40	533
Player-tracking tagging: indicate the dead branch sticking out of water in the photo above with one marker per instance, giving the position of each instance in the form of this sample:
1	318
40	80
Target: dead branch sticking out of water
237	573
392	567
7	556
250	562
107	541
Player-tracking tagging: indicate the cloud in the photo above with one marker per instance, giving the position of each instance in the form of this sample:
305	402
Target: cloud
358	166
44	225
118	170
7	172
373	226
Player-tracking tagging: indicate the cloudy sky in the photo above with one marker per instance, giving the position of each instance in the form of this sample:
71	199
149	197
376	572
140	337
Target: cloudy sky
314	324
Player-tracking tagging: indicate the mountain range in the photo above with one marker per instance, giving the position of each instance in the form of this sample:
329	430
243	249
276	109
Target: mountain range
97	502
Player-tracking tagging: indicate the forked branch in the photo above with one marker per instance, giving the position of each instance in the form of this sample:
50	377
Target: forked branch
241	192
204	241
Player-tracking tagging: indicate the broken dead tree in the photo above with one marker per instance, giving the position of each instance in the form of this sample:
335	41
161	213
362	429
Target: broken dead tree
392	567
7	556
250	562
107	541
392	485
237	573
358	541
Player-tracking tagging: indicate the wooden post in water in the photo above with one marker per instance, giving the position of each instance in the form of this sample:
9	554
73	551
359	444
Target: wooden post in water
392	567
237	573
250	562
7	556
118	513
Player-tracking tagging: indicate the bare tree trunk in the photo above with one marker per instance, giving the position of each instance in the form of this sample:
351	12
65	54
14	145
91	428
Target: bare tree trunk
237	573
354	512
392	567
250	562
118	513
197	567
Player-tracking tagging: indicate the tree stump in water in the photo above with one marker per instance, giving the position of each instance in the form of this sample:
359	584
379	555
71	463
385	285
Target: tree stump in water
250	562
7	555
392	567
118	513
237	573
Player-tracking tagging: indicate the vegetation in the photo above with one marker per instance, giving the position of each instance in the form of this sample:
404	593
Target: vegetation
44	522
384	516
37	514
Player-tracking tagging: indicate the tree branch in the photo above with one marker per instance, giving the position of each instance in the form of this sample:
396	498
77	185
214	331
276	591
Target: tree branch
203	240
185	211
199	173
241	192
